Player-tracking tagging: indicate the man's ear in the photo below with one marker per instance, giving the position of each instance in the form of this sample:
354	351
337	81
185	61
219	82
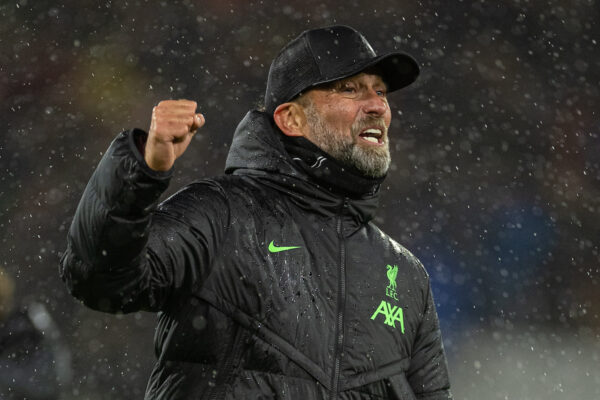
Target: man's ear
290	119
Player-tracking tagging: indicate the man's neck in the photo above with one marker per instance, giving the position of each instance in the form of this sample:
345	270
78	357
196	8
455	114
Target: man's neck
328	172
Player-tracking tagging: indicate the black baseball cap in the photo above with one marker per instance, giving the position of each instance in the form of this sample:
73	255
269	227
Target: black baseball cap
327	54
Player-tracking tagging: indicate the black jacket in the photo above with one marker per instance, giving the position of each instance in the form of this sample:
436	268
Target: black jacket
267	286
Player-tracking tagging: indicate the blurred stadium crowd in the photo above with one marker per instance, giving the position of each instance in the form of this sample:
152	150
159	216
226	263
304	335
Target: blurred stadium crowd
495	183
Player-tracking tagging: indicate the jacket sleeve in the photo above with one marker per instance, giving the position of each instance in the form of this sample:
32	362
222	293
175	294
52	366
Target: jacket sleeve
124	253
428	371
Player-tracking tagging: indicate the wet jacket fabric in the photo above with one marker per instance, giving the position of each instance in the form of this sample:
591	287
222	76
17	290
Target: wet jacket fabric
266	285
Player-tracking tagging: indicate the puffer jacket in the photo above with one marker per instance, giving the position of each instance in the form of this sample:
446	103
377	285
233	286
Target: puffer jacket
266	285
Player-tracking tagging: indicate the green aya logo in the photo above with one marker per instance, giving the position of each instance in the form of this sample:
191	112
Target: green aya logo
392	313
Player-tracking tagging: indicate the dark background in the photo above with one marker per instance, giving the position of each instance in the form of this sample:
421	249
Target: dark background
495	180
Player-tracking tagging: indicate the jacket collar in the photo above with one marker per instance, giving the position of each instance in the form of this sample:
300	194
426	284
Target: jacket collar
258	149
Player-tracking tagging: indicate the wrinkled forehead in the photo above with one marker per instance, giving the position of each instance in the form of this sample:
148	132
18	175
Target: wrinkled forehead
371	78
367	78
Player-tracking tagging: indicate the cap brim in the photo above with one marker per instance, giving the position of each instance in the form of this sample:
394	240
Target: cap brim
397	70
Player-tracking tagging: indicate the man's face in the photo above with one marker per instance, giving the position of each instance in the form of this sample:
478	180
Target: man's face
349	120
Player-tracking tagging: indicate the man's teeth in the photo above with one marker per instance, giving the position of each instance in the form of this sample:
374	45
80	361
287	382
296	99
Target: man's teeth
372	135
371	139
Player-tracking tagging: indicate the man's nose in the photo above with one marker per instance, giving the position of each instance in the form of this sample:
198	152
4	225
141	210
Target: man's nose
374	103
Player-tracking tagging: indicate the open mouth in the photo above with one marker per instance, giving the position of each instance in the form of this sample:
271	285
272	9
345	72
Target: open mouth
372	135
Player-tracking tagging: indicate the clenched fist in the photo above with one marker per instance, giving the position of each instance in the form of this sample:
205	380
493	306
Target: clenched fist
173	125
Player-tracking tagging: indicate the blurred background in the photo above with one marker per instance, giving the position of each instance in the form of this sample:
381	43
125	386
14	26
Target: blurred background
495	184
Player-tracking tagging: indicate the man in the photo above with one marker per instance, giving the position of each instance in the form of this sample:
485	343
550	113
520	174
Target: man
270	281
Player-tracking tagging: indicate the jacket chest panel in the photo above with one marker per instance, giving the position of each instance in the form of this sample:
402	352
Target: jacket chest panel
384	303
285	275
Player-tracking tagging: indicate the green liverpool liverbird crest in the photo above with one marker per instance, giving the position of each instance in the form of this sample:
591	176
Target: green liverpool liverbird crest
392	272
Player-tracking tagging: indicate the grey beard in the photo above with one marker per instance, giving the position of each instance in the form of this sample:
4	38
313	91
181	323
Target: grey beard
371	162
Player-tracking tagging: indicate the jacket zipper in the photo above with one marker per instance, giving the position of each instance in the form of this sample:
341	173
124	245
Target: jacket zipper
341	304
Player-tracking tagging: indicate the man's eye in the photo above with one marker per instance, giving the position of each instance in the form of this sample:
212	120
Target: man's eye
381	93
348	89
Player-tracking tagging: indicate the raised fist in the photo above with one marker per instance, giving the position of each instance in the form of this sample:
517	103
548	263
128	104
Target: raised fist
173	125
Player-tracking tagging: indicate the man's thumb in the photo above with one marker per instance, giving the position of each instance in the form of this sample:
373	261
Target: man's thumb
198	122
